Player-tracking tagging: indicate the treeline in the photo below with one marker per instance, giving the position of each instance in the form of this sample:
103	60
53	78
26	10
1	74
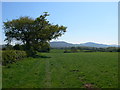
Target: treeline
13	53
94	49
90	49
45	48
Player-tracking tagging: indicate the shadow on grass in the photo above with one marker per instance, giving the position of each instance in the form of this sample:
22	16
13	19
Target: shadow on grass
41	56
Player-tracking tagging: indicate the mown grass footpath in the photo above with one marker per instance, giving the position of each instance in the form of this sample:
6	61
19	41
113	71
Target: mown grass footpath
64	70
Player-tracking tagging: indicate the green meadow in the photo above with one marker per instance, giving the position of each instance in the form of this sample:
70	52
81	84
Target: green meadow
63	70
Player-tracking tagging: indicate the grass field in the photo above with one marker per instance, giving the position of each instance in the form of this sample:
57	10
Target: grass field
64	70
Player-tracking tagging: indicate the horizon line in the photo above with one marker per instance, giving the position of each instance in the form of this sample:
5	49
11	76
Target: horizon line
84	42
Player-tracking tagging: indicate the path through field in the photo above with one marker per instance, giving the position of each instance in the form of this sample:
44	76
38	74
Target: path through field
63	70
48	75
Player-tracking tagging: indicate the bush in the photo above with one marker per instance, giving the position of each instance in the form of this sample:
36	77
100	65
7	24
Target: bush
66	51
18	47
74	49
10	56
89	51
118	50
7	47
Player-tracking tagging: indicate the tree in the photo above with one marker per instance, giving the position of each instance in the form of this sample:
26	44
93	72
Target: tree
7	47
118	49
33	33
44	47
18	47
74	49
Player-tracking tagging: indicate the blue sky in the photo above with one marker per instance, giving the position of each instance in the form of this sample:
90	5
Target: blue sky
86	21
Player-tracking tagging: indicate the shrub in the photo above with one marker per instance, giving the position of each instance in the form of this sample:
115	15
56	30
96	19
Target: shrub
74	49
89	51
66	51
18	47
7	47
10	56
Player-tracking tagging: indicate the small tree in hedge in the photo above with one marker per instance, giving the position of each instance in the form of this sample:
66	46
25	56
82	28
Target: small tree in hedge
7	47
74	49
18	47
118	50
33	33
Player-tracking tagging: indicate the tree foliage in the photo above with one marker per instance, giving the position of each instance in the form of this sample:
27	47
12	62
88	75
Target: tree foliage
91	49
33	33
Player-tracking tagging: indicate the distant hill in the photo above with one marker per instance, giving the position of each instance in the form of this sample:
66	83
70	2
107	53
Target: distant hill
91	44
61	44
88	44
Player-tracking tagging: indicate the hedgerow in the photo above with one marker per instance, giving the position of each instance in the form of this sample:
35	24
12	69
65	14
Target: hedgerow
11	56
